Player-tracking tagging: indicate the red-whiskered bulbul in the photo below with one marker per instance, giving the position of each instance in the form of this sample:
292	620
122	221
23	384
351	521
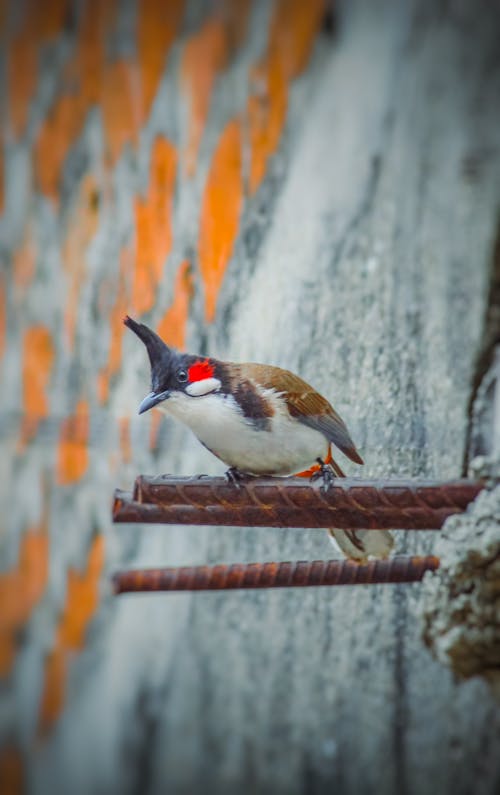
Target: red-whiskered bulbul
258	419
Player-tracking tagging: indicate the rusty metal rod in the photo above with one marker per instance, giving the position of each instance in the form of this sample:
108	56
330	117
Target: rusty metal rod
303	574
294	502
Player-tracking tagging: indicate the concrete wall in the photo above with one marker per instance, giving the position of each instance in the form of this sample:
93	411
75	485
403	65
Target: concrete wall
257	183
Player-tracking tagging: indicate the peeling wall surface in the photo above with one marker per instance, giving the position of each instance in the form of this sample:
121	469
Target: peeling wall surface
461	605
257	180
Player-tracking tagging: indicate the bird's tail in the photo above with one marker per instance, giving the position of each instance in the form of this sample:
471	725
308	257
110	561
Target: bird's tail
359	545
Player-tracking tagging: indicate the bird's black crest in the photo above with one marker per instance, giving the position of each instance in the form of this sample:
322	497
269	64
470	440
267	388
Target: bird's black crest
161	357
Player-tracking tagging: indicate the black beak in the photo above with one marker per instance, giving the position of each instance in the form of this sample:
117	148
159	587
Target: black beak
152	399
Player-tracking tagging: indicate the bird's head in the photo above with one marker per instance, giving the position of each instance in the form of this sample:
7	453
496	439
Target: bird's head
173	373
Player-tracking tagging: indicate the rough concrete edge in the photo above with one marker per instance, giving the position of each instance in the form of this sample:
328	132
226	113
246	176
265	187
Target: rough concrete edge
460	609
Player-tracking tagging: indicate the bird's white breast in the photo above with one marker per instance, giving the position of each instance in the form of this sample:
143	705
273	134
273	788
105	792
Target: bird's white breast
218	422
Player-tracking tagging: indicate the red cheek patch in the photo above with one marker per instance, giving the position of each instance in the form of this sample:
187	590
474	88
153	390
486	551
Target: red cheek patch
200	370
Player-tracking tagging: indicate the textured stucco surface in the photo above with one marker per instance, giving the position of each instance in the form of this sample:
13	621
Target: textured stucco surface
461	604
374	245
362	263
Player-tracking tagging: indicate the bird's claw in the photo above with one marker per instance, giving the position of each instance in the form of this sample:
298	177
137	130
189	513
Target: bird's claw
326	473
235	477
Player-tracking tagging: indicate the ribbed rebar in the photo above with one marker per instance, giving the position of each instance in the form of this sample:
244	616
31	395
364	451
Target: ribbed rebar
294	502
302	574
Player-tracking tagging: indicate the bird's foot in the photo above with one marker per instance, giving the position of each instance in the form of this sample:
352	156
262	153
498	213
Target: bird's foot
235	477
326	473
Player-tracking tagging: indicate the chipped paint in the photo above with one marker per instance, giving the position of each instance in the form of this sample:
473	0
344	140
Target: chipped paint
205	56
156	421
120	107
11	770
220	213
98	18
172	327
293	30
4	14
20	591
73	454
82	600
24	263
102	385
118	310
38	354
81	230
22	69
153	219
2	177
82	84
48	18
292	35
125	440
3	314
55	138
157	25
266	111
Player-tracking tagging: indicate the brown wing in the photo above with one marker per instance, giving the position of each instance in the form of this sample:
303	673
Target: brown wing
305	404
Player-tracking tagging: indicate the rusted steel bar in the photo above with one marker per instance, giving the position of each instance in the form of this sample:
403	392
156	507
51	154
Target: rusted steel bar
303	574
294	502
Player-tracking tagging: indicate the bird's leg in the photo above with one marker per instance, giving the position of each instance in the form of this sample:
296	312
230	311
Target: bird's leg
235	477
325	472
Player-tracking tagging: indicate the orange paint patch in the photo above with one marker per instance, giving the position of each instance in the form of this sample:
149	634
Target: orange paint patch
103	385
125	443
157	25
24	262
2	175
82	81
73	445
154	429
49	17
3	315
172	327
20	591
293	31
82	599
153	217
119	105
81	230
55	138
37	363
266	116
41	22
90	59
22	68
11	771
4	14
205	56
117	312
235	17
220	215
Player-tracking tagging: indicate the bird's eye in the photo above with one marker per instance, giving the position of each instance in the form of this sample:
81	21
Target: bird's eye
182	376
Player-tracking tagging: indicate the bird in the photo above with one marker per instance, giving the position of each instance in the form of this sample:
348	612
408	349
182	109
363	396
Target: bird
259	420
